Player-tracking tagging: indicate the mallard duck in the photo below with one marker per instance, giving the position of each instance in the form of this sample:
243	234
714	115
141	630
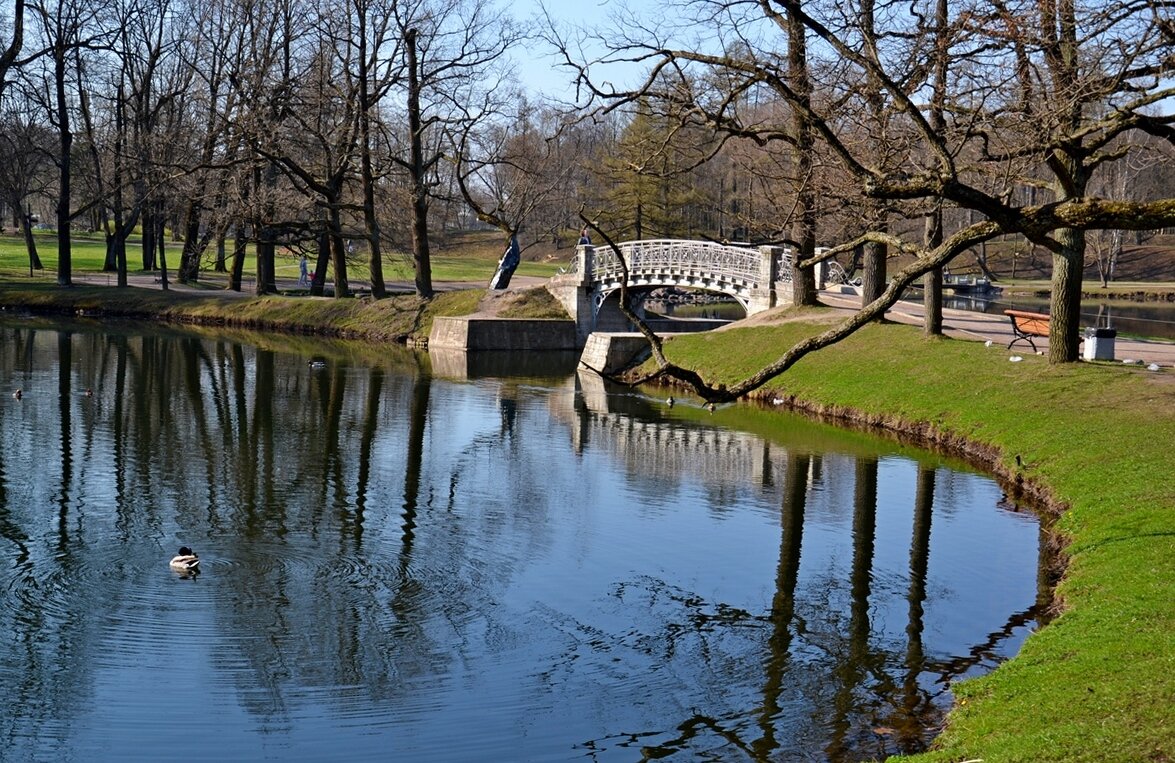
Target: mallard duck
670	401
186	560
18	394
317	364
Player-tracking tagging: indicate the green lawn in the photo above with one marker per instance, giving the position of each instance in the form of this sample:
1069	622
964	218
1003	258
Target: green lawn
470	258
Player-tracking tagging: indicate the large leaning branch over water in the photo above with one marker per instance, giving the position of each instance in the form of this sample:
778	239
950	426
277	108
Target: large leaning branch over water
1035	222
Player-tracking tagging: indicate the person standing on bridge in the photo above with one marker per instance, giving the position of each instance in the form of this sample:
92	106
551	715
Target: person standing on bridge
584	238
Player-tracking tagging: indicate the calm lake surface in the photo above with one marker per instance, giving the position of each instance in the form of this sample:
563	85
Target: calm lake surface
415	558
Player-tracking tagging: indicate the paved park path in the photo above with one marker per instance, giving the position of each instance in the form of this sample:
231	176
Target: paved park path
983	327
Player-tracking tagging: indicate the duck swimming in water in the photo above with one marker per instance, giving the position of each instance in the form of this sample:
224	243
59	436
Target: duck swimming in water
18	394
186	560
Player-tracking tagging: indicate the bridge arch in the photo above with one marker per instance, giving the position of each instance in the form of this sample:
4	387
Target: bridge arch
758	278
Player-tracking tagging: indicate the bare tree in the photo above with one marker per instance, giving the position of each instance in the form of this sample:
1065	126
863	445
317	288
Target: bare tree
940	61
452	57
24	162
1085	79
505	170
65	27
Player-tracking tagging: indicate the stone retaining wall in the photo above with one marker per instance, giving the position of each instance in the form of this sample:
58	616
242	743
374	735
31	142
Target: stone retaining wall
473	333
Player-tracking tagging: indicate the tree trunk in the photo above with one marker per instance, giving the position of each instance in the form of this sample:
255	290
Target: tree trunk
1072	179
148	243
118	246
265	263
238	267
266	246
321	263
160	240
30	242
874	258
420	253
189	270
876	216
64	191
804	228
1065	303
221	265
370	222
338	252
932	281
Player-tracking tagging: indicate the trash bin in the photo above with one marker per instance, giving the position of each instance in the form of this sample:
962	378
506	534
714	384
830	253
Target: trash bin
1099	343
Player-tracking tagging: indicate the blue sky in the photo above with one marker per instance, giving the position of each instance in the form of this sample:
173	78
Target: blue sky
537	69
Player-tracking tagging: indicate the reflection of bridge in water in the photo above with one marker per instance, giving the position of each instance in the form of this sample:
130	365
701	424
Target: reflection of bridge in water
634	432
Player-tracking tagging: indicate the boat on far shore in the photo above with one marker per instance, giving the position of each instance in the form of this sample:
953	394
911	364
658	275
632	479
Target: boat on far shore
967	285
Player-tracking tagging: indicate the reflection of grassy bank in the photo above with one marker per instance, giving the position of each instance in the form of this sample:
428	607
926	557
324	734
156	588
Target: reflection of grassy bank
1096	684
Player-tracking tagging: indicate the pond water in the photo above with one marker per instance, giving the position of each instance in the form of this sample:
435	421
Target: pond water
451	558
1153	320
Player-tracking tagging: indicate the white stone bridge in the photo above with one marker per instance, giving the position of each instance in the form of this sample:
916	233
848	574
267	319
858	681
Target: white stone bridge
757	278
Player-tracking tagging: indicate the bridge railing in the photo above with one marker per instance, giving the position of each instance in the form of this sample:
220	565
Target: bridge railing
667	255
783	262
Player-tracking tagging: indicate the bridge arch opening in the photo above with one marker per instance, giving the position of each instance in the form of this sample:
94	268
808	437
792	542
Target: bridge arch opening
669	309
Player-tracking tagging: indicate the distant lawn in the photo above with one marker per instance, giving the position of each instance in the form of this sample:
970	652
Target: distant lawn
467	258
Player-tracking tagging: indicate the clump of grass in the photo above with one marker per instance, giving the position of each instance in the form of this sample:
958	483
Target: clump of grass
532	303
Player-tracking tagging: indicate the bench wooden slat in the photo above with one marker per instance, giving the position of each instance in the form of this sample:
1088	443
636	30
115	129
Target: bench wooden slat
1026	325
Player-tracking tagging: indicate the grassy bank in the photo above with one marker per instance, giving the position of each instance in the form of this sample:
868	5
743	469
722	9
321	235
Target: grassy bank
1096	442
396	319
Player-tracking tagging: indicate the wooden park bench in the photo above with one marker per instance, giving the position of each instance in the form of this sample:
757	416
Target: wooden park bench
1026	325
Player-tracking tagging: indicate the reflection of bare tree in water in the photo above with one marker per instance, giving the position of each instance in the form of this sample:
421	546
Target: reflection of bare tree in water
783	607
912	706
417	425
64	377
43	609
176	403
860	660
195	363
366	440
874	709
169	403
332	392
